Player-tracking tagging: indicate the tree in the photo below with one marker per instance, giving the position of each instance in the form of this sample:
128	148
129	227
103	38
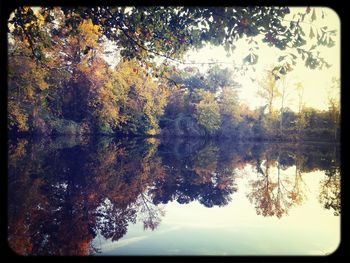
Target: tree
150	214
301	123
145	32
270	193
297	194
283	95
268	91
220	78
229	105
107	97
221	81
330	193
85	66
207	112
334	105
73	90
27	88
145	101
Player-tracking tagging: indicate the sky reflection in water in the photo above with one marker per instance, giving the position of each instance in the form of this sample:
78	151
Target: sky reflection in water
74	196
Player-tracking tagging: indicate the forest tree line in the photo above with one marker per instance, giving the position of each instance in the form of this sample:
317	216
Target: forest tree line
59	81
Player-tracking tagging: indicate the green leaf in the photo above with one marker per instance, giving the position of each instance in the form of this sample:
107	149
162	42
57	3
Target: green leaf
313	16
312	47
312	34
294	56
233	47
251	59
281	58
331	43
283	70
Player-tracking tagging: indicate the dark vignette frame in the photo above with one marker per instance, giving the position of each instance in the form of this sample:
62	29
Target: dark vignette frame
339	7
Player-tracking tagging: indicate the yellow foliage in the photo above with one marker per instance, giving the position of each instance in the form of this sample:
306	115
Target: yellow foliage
150	98
40	19
268	90
111	95
17	117
42	84
30	93
26	42
152	131
207	112
72	41
89	34
18	151
152	140
83	64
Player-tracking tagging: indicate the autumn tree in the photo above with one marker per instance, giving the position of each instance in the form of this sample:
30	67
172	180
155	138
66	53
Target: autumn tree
301	122
268	91
297	193
61	83
146	32
27	80
107	97
270	193
330	185
219	78
334	105
208	112
230	105
283	95
145	99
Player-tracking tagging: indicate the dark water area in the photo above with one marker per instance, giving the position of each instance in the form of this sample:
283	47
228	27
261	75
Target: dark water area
108	196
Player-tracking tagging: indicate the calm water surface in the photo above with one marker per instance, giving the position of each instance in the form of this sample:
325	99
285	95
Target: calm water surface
105	196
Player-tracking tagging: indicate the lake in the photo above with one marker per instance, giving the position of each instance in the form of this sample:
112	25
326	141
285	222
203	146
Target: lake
108	196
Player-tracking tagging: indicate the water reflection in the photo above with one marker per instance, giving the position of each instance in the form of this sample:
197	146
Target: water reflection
65	191
274	194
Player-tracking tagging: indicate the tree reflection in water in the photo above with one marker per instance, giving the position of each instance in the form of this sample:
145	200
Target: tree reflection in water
63	192
330	186
272	193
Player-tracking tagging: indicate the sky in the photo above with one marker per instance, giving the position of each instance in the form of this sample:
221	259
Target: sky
316	82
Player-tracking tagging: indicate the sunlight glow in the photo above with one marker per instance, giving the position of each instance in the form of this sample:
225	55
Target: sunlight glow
315	82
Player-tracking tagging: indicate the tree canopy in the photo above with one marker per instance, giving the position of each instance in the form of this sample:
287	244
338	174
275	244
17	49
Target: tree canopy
148	32
60	81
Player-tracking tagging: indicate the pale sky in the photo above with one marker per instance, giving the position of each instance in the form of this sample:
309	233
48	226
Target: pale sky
316	82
